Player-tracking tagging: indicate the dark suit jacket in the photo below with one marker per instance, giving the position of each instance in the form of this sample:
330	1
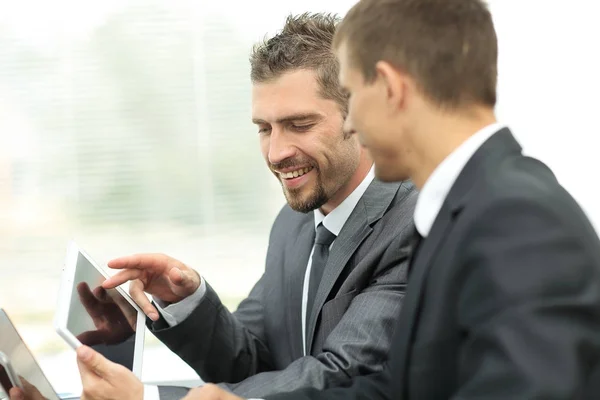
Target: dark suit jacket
503	300
258	349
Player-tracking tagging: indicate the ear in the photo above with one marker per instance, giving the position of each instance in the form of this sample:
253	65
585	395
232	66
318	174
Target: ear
393	82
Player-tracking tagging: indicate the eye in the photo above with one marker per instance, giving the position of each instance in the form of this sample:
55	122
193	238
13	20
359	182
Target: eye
301	128
263	130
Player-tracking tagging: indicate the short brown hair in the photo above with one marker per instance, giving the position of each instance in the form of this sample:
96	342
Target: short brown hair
303	43
448	46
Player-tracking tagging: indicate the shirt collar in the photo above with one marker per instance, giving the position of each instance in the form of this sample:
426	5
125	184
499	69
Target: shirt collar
442	179
335	220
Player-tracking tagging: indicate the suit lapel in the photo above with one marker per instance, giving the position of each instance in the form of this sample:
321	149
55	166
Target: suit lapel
418	274
295	261
344	246
368	210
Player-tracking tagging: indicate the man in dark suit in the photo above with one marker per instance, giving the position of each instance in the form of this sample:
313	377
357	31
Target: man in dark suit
324	310
503	300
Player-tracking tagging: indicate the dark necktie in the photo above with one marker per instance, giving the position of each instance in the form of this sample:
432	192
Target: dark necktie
415	244
323	240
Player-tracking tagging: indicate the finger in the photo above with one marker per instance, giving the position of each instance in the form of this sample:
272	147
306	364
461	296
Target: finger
177	276
91	338
209	392
121	278
194	394
141	261
191	395
90	380
31	392
16	393
136	290
188	279
92	365
88	300
184	282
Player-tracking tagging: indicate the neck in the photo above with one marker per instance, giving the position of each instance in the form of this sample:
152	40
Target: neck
360	174
441	136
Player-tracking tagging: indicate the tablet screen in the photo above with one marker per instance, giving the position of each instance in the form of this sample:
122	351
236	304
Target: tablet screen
101	319
22	360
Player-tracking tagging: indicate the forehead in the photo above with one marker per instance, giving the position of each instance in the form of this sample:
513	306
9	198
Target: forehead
292	93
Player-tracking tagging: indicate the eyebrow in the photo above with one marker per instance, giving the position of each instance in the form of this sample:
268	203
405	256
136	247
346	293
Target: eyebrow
291	118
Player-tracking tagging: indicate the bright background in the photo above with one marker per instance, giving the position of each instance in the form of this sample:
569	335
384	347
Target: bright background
125	125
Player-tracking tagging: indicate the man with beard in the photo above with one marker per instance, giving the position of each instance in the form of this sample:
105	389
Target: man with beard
324	310
503	300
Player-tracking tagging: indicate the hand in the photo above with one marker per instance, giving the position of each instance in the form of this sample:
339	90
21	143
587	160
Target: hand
29	392
114	318
104	380
160	275
210	392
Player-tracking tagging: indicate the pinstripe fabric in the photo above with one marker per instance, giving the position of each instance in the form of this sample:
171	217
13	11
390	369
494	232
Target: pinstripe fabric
257	350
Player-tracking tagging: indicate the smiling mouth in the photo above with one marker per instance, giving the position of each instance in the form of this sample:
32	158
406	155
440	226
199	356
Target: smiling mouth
295	173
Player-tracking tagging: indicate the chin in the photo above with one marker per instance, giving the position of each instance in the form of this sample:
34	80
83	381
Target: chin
301	201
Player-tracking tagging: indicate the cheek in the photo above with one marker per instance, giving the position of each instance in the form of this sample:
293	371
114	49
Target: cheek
327	150
367	111
310	147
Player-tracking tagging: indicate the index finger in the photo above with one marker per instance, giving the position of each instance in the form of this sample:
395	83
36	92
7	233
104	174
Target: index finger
121	278
140	261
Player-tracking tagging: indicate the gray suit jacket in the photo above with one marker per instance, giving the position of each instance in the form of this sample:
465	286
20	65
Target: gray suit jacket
257	350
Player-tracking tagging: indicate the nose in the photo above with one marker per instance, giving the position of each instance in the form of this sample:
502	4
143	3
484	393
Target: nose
280	146
348	126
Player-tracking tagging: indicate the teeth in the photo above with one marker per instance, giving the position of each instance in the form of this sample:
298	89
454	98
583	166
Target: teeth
296	173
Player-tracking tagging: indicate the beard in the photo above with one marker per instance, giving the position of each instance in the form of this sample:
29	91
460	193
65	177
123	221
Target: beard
327	182
295	197
307	203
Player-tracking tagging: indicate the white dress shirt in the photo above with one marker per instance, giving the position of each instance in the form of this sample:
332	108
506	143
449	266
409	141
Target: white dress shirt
442	179
334	221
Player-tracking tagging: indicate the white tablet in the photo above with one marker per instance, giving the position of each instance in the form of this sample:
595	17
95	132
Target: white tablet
18	366
8	376
106	320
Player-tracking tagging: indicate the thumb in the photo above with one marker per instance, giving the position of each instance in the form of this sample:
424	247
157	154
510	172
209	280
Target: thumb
89	360
16	393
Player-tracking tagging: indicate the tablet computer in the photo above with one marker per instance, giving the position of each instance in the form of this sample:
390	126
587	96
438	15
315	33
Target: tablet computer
18	366
8	376
108	321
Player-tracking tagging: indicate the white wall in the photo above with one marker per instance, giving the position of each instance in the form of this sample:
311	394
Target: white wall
549	83
549	87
